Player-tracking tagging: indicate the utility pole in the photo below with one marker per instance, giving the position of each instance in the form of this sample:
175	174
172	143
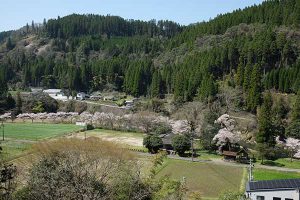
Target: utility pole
192	144
250	171
2	124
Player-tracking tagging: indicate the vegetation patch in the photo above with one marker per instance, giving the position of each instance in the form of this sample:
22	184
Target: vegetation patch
265	174
208	179
37	131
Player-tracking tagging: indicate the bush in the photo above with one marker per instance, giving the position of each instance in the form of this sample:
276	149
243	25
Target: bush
89	127
293	130
181	143
162	128
152	143
121	102
231	195
49	104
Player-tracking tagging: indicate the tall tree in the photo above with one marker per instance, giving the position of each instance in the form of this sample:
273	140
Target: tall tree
156	85
296	108
265	128
254	94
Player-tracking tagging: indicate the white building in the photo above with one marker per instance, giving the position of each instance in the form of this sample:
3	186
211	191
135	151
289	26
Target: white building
56	94
52	91
286	189
36	90
81	96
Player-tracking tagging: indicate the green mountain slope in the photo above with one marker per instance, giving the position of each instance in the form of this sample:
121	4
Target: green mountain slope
254	49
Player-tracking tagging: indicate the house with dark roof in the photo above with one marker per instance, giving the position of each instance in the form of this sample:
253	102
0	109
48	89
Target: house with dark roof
167	141
241	155
285	189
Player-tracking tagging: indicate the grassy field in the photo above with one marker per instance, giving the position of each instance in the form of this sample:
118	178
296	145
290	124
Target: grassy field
284	162
264	174
37	131
20	136
208	179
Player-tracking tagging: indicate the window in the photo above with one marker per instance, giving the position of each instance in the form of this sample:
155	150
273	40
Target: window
276	198
260	198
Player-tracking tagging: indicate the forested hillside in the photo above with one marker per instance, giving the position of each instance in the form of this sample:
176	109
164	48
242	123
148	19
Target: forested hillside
251	50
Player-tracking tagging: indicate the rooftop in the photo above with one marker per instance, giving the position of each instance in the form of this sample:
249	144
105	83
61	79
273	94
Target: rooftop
284	184
52	90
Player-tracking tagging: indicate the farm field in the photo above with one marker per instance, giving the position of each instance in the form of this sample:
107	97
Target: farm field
208	179
20	136
131	139
37	131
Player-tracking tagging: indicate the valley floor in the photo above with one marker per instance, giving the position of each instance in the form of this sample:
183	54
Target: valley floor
209	175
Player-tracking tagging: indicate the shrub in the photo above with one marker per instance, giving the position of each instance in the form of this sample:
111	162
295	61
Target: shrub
162	128
153	143
121	102
89	127
231	195
293	130
181	143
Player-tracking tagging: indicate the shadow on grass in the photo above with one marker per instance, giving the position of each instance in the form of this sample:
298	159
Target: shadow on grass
272	163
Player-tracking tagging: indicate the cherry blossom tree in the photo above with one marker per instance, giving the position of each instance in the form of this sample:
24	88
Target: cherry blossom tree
227	135
25	116
291	144
5	116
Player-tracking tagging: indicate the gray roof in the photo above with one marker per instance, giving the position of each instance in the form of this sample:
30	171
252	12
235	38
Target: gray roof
167	138
284	184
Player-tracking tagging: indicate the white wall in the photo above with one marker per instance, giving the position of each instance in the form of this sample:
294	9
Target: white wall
292	194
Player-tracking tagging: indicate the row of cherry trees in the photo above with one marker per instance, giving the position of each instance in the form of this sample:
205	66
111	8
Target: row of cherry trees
142	121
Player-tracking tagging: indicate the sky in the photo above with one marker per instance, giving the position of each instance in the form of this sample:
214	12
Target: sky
16	13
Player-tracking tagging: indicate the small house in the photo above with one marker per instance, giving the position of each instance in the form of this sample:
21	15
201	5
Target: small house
36	90
109	98
241	155
95	97
167	141
285	189
53	91
56	94
81	96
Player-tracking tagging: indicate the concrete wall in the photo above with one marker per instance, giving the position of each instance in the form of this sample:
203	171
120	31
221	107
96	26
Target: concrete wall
291	194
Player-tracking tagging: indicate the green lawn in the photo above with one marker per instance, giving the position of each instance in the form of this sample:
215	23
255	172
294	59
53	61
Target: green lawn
283	162
265	174
20	136
208	179
37	131
286	162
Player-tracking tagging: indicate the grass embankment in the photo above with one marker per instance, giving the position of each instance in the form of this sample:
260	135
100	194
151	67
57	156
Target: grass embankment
284	162
266	174
208	179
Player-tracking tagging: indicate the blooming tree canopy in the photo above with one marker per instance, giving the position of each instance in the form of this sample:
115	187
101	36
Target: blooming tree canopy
227	133
5	116
291	144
